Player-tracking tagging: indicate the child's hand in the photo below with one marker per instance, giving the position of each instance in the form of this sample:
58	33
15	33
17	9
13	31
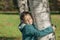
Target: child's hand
54	27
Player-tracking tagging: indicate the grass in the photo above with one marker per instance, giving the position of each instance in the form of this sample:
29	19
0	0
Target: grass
9	25
56	21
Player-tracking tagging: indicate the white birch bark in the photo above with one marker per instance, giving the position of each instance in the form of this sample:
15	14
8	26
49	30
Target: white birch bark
22	4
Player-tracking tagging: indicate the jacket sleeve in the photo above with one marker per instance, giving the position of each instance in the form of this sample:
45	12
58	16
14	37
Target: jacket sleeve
30	30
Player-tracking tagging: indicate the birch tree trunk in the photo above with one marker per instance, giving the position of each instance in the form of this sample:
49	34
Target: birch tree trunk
22	4
41	14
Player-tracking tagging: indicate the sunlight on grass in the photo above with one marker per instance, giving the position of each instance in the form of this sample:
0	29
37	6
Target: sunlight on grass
9	26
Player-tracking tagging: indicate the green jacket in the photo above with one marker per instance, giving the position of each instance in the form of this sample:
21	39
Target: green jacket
29	32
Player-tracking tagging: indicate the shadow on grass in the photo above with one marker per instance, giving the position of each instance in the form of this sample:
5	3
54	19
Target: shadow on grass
10	13
55	13
9	38
18	13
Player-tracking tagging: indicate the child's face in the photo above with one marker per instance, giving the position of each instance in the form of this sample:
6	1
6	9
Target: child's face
28	19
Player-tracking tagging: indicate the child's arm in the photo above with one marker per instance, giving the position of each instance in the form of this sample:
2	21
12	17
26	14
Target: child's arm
30	30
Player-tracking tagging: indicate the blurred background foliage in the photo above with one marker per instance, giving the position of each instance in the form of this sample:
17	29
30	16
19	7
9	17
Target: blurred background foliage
8	5
11	5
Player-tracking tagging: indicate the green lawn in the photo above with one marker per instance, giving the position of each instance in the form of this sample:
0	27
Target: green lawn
9	25
56	21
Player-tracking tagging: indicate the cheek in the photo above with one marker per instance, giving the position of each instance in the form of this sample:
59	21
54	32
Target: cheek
31	20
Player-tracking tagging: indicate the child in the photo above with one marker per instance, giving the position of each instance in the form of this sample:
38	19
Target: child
28	29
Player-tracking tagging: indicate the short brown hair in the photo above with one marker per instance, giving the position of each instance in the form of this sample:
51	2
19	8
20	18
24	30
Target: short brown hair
23	14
